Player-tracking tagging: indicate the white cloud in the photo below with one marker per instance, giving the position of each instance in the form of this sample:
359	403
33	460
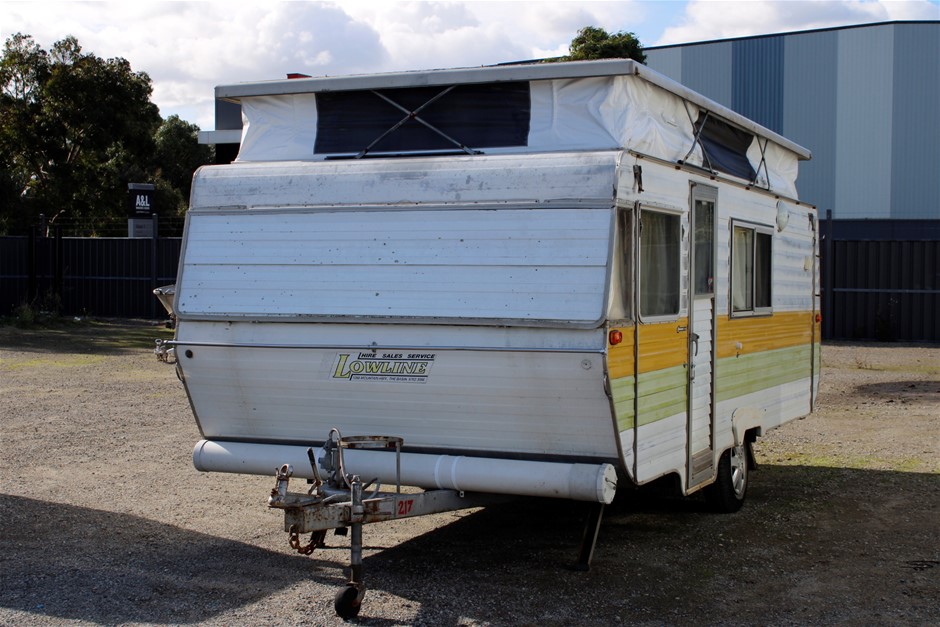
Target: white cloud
188	48
719	19
446	34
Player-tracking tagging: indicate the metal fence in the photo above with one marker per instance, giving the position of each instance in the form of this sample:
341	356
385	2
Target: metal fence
106	277
882	290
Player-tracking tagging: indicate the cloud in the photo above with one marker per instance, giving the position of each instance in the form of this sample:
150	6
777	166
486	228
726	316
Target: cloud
188	48
421	35
719	19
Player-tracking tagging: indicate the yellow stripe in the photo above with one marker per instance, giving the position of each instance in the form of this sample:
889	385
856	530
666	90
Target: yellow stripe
663	346
620	356
780	330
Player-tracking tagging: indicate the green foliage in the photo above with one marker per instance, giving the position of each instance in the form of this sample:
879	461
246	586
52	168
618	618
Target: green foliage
75	129
178	154
592	42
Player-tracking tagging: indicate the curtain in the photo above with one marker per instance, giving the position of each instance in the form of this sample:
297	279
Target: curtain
742	272
659	264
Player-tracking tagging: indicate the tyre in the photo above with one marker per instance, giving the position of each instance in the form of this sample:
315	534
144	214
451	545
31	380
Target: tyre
727	494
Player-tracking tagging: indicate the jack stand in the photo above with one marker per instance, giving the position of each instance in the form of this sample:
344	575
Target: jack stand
336	501
592	528
348	601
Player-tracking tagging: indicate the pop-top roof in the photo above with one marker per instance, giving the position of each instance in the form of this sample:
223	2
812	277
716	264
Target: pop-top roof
524	108
496	74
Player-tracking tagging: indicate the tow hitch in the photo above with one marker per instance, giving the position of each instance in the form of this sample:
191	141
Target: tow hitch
336	500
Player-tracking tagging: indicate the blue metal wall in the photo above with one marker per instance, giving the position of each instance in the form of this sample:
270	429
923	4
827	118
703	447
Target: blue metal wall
757	80
862	98
915	142
809	112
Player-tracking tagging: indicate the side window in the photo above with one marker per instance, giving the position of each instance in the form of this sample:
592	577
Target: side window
704	247
660	248
751	255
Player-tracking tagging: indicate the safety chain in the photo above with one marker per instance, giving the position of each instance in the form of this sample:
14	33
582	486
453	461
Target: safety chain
316	539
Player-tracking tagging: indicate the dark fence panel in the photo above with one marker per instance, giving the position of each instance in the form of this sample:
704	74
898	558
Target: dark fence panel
87	276
883	290
14	272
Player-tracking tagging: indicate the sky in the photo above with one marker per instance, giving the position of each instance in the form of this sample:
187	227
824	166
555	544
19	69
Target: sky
187	48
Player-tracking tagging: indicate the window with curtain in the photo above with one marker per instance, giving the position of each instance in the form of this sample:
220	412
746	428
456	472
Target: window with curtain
751	255
660	248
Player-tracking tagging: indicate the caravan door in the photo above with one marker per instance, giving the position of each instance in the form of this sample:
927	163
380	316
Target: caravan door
701	335
661	342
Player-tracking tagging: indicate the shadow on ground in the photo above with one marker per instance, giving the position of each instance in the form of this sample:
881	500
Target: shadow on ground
84	564
812	545
87	337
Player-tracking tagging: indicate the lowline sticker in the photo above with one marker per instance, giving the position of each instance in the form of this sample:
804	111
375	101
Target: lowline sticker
386	367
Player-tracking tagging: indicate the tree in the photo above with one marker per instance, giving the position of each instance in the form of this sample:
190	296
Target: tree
74	130
592	42
178	154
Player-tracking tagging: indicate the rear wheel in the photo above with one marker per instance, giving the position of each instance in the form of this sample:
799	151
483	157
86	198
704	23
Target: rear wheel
727	493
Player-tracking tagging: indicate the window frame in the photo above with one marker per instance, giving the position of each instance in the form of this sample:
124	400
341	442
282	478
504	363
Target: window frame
704	194
754	309
671	213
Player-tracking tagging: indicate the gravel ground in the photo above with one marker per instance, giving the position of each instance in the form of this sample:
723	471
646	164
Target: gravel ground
103	519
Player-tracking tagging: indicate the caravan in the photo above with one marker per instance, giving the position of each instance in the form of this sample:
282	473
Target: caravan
547	279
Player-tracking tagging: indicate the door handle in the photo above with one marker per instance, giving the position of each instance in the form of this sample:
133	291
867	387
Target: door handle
694	338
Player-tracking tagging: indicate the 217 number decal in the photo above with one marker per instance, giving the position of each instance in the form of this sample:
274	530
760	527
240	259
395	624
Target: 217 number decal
404	507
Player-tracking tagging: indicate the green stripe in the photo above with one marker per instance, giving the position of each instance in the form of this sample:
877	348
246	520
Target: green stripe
662	394
737	376
622	391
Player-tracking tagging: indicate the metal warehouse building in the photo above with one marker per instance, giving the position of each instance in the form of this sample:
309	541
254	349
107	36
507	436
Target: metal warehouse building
866	100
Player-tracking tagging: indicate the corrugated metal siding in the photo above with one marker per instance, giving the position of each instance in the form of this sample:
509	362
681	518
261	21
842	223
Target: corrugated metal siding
885	290
809	111
864	123
524	402
707	70
667	61
93	276
110	275
359	182
508	264
14	273
757	80
915	176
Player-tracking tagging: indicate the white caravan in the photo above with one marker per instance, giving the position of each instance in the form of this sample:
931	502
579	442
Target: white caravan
537	279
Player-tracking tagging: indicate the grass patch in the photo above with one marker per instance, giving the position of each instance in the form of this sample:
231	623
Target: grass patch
87	336
857	462
73	361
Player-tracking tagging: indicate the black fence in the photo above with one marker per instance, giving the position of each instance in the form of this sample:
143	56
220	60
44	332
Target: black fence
872	289
882	290
881	280
101	276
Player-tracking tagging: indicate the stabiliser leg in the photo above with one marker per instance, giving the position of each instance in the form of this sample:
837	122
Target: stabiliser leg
348	601
592	528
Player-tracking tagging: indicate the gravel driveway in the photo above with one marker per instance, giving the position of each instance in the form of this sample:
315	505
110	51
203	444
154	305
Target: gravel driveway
103	519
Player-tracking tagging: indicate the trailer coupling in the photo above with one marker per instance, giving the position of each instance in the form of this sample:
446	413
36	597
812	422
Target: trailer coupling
343	501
